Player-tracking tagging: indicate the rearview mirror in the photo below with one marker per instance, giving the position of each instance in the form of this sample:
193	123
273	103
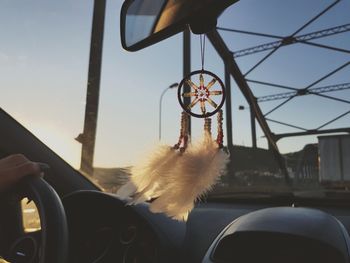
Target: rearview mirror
146	22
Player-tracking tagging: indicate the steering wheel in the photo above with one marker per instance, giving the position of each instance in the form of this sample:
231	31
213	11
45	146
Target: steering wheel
54	234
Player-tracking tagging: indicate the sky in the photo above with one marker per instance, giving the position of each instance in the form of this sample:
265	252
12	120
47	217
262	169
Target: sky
44	54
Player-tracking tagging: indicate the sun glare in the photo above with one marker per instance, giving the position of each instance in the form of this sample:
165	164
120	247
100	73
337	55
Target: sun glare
58	141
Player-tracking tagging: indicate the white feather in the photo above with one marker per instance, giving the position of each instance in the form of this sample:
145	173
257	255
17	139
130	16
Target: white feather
148	177
193	175
126	190
178	180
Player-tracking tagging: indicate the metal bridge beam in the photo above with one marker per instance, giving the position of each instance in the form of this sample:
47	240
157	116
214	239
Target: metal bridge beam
292	36
301	92
285	41
187	68
87	138
236	73
228	111
311	132
307	89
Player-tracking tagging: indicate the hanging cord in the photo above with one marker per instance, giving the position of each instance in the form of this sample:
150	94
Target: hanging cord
202	43
183	139
220	136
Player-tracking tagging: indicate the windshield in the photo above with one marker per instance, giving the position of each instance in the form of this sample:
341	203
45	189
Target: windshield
301	85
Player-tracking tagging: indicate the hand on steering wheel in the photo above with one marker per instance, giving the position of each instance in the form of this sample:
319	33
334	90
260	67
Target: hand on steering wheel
14	167
53	237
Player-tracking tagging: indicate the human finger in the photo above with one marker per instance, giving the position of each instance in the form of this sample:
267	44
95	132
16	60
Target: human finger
13	174
27	168
13	160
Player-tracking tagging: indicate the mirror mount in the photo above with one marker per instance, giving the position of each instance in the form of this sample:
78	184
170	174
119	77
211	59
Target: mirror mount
205	19
203	26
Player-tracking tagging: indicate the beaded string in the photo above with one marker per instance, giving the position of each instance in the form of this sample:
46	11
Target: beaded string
220	136
183	139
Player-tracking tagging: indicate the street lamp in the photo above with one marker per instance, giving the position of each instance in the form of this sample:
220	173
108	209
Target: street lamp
252	124
241	107
172	86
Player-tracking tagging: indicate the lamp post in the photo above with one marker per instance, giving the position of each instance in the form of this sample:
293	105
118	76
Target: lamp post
172	86
252	124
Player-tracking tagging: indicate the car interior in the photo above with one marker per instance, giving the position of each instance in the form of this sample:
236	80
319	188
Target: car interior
270	207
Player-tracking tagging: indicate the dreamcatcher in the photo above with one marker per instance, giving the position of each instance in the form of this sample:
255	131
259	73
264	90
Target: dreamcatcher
176	177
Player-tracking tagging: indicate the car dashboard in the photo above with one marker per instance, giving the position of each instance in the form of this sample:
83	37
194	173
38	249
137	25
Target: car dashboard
104	229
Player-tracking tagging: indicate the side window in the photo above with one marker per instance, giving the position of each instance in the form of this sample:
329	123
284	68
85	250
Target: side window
30	214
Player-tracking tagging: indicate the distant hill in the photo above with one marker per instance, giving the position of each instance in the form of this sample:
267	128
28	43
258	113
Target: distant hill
244	158
251	165
247	158
110	179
